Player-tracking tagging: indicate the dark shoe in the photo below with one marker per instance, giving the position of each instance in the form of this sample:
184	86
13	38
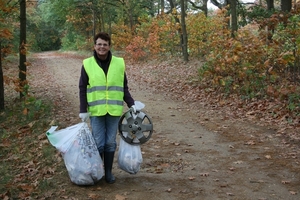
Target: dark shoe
108	163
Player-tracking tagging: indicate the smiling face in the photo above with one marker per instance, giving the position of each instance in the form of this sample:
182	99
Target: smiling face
102	48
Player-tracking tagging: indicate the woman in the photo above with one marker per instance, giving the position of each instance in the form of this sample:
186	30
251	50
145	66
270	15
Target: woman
102	90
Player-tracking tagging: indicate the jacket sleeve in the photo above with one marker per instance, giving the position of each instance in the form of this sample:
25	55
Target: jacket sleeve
127	96
83	82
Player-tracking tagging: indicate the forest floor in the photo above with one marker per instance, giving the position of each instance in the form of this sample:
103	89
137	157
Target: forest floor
201	147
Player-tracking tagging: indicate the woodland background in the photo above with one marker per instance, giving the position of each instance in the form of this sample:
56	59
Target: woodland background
247	55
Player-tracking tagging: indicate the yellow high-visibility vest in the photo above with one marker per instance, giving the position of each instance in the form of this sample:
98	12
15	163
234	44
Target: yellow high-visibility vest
105	93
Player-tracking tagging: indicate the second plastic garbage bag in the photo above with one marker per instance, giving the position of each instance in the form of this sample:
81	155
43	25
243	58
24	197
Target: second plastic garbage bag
80	153
129	157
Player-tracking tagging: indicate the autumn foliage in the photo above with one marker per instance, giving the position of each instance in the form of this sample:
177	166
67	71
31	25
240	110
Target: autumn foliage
251	64
154	37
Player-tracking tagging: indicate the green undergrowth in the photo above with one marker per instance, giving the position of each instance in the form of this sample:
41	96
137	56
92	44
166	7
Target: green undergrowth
28	161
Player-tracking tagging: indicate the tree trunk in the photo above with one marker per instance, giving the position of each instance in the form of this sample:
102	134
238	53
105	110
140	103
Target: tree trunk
184	31
205	7
270	29
220	5
22	48
1	82
270	4
94	23
286	5
234	26
162	6
172	5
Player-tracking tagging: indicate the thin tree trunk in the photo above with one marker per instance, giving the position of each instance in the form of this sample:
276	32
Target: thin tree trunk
270	30
22	48
270	4
184	32
1	82
177	21
286	5
234	27
162	6
205	7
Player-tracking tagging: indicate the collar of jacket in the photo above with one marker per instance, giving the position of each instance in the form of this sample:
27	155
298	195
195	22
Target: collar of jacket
108	59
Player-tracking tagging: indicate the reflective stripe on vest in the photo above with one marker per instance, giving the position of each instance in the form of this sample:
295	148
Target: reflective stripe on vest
105	93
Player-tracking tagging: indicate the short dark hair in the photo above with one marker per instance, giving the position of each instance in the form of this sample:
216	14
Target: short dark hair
103	36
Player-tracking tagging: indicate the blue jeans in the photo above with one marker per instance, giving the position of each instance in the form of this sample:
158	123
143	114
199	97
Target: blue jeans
104	130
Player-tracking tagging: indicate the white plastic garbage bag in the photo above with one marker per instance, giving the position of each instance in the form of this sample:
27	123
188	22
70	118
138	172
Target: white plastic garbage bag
129	157
80	153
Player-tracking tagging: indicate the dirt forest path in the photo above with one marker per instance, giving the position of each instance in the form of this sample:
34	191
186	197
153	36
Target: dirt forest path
183	159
